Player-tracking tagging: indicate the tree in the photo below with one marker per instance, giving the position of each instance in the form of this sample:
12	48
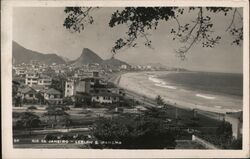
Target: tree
58	83
224	132
82	100
153	112
67	121
159	100
236	143
55	111
224	129
134	132
29	120
68	101
18	100
32	108
140	20
40	98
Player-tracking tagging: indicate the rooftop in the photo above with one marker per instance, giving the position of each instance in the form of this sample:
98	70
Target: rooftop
53	91
106	94
25	89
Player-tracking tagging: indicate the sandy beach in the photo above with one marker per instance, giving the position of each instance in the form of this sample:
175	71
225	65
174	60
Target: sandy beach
146	84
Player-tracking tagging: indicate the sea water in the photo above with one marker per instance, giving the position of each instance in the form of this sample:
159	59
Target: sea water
204	90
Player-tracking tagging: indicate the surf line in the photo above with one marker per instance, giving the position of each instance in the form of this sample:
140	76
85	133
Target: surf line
205	96
165	86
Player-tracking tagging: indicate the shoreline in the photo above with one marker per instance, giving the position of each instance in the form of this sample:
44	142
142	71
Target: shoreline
214	112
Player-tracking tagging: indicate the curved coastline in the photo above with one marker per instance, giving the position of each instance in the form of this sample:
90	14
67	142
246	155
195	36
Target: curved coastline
147	84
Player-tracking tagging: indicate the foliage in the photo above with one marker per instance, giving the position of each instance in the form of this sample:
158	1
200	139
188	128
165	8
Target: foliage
159	100
82	100
236	143
28	120
224	135
40	98
29	101
224	130
58	83
153	112
68	101
50	137
134	132
31	108
140	20
15	86
56	111
17	101
67	121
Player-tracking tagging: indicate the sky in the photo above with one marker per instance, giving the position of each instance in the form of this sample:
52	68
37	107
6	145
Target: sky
41	29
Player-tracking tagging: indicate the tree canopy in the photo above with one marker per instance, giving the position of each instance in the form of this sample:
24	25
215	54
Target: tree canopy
140	20
134	132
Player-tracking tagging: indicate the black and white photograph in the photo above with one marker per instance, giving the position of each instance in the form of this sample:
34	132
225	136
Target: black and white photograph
128	77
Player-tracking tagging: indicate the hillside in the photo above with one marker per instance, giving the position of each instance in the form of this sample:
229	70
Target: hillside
23	55
113	63
87	57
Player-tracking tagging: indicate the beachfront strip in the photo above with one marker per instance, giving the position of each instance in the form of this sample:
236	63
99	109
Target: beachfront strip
64	106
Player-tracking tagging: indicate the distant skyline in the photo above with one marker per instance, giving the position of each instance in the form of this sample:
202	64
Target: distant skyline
41	29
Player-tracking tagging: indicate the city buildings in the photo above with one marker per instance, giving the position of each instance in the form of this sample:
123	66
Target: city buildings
53	96
105	97
31	79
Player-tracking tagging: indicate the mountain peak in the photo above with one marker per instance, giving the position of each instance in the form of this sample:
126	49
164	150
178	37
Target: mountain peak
87	57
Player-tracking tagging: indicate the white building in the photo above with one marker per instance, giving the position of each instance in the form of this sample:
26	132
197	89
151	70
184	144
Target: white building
31	79
105	98
79	86
44	80
124	67
69	88
82	74
20	71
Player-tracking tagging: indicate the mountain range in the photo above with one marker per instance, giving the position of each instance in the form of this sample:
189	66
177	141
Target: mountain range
23	55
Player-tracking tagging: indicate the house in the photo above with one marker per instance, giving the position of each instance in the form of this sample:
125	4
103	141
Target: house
39	88
31	79
124	67
72	87
20	71
59	71
53	96
82	86
86	73
44	80
69	88
27	93
105	97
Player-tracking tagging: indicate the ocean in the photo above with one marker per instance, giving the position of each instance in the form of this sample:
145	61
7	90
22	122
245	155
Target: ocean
217	92
217	83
